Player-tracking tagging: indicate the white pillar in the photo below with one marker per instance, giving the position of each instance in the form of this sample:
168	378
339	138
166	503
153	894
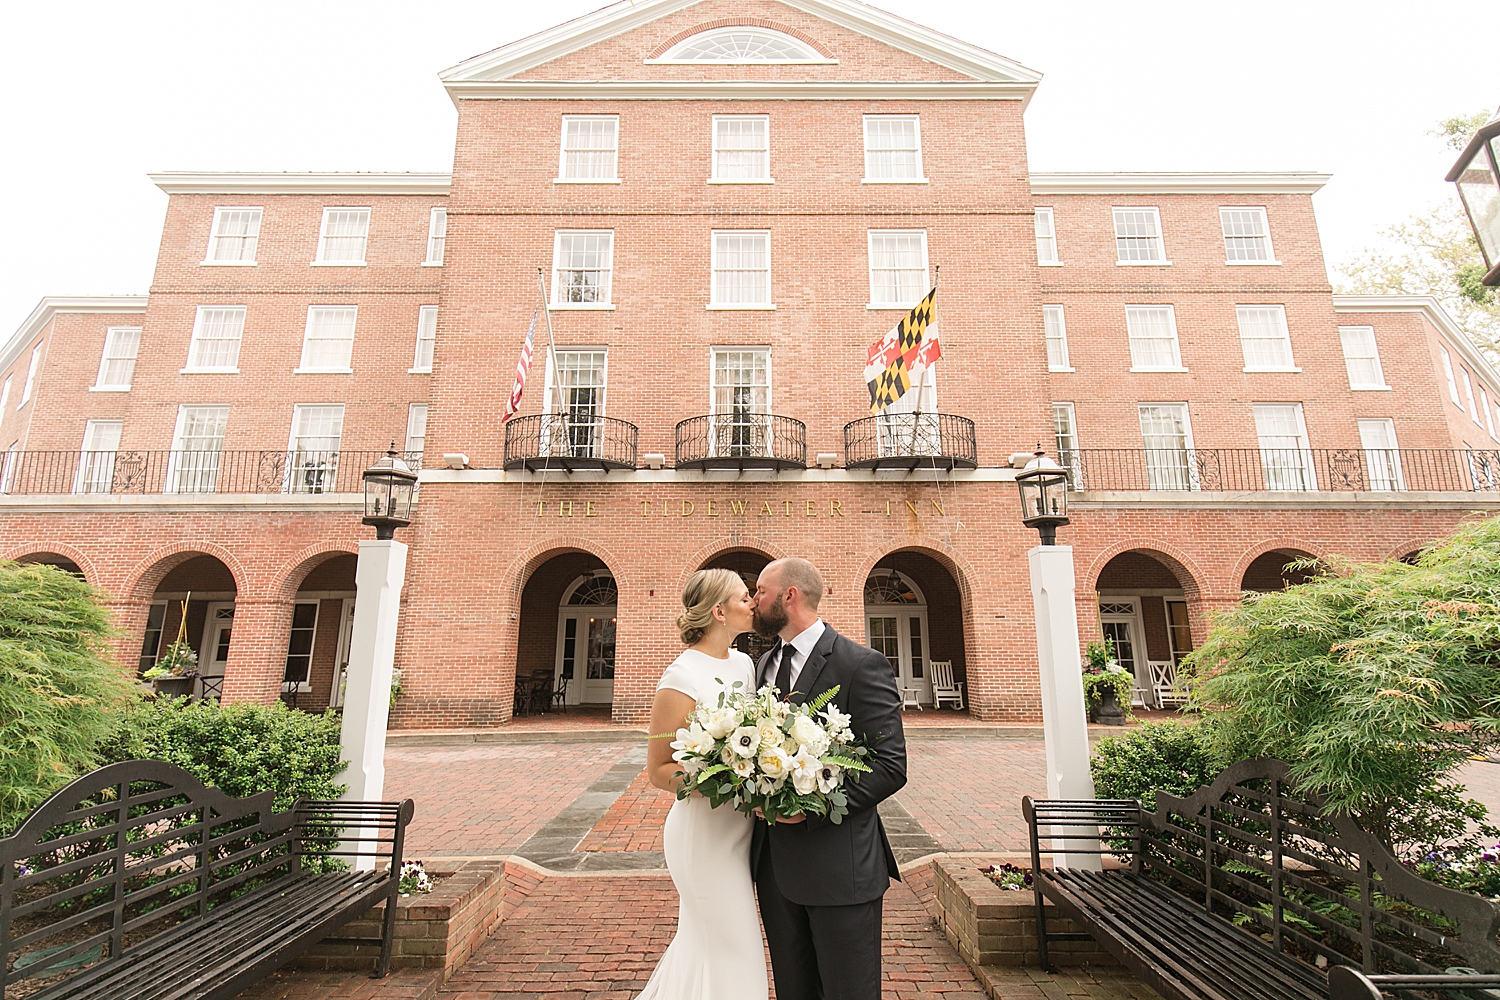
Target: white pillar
1064	717
372	655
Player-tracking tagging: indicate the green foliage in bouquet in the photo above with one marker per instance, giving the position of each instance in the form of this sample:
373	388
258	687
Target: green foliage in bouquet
757	752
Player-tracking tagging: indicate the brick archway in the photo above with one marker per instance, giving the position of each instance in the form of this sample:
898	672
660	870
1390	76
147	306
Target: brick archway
291	573
1300	546
34	551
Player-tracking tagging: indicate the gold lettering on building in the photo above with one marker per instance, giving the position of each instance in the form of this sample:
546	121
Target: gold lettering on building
588	508
564	508
835	507
737	506
709	509
687	508
788	504
765	510
810	508
645	508
911	506
937	507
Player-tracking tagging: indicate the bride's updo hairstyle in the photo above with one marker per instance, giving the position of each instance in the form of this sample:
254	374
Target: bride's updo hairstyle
705	590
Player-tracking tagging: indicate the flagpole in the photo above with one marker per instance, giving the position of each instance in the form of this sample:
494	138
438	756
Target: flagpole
917	415
552	351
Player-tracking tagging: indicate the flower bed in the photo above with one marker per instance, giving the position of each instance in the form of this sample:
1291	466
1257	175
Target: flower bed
990	925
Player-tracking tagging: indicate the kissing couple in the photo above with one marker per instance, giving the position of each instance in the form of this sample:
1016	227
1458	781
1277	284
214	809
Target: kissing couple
820	884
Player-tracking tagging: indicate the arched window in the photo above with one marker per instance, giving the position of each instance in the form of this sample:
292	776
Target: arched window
890	587
596	590
742	45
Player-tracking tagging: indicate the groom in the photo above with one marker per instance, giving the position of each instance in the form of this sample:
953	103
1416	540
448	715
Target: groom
820	884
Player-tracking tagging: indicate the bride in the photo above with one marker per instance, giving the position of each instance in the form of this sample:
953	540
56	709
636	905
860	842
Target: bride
717	953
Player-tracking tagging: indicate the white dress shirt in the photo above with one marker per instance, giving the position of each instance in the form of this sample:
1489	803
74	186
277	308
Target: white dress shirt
803	643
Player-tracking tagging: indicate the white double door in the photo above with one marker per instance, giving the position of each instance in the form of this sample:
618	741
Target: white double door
586	654
1120	621
901	634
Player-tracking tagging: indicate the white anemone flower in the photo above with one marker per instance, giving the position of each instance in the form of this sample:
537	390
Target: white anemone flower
745	741
774	762
804	768
830	776
744	767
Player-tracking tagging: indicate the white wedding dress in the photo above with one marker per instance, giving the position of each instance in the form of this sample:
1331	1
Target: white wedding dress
717	953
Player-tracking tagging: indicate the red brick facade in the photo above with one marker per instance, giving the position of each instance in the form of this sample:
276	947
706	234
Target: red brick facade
494	551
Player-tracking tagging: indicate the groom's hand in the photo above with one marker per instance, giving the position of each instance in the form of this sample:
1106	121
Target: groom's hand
799	818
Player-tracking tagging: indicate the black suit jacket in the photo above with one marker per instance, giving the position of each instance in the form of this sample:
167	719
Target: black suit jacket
820	863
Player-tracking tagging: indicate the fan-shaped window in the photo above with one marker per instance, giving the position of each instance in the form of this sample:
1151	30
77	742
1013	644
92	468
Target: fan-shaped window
742	45
890	587
598	590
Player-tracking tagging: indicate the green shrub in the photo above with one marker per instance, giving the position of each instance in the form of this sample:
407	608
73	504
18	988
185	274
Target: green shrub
1172	757
60	690
240	748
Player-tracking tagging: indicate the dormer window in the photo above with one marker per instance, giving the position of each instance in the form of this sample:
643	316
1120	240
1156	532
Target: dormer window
742	45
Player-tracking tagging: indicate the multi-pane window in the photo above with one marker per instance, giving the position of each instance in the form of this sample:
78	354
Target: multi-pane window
1065	435
1167	439
577	382
741	45
96	459
32	368
217	331
590	148
117	364
1382	454
151	645
582	260
416	434
1484	404
299	648
742	148
893	148
437	235
1138	236
235	235
196	446
1284	455
741	268
1247	238
1264	338
741	400
8	471
1469	395
328	342
1362	357
1448	373
426	336
343	237
1056	329
313	451
1153	338
4	394
898	266
1046	237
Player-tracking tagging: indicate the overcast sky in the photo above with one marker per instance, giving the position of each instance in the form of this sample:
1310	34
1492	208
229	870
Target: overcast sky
98	94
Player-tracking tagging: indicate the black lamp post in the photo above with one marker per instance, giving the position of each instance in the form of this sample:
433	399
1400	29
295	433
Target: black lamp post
1477	174
1044	496
389	487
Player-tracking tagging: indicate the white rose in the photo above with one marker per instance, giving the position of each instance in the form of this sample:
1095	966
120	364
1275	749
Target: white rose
791	746
830	776
721	722
804	768
744	767
770	733
774	762
804	730
745	741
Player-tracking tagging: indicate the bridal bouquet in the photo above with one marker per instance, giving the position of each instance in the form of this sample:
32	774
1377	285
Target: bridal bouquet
755	751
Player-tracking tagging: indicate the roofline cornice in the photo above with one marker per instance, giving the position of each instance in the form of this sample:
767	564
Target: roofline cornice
53	305
1435	312
1297	182
203	182
739	90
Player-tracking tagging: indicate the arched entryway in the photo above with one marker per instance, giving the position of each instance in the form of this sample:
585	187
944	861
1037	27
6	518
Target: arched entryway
322	625
1269	571
747	563
1143	612
194	600
52	559
566	636
914	615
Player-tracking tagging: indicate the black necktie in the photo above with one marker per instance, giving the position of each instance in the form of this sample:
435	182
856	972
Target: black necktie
784	674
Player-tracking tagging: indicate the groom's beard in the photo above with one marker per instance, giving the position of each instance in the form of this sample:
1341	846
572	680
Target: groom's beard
769	623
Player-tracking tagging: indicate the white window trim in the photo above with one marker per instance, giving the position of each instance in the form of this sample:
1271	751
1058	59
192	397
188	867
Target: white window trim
33	368
417	347
921	177
1379	366
549	379
1161	234
1469	395
713	260
665	60
1285	326
1270	247
429	262
1194	485
1176	340
1052	215
870	235
562	155
188	369
1304	447
1447	360
714	349
323	231
713	148
174	466
86	455
1063	317
410	410
297	408
213	234
553	305
299	370
304	687
104	361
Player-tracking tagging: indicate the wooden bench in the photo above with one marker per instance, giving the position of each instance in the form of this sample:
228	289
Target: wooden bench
137	882
1237	891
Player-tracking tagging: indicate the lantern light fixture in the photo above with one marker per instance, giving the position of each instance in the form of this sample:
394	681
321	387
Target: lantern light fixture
390	487
1477	175
1044	496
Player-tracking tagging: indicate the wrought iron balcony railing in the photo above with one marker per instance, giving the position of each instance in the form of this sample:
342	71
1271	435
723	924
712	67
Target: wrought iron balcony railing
1294	470
569	441
741	441
187	472
910	441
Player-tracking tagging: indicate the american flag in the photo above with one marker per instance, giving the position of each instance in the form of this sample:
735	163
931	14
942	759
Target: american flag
523	365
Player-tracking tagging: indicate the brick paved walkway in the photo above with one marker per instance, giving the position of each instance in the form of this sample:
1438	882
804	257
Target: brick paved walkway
634	822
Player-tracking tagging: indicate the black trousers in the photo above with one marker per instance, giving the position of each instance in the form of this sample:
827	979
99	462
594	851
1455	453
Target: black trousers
819	952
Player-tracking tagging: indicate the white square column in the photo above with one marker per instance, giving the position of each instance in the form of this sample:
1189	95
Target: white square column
372	655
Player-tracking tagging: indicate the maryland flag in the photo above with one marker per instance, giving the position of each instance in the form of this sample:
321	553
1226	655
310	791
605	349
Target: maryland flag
900	357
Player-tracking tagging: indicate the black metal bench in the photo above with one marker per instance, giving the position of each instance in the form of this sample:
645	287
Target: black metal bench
137	882
1237	892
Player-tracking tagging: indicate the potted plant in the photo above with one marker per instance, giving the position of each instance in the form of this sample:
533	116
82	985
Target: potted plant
1106	684
176	669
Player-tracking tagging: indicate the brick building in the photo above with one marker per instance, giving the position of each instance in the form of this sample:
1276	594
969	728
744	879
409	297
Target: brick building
727	201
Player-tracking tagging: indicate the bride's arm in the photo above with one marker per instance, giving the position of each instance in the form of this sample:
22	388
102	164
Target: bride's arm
669	713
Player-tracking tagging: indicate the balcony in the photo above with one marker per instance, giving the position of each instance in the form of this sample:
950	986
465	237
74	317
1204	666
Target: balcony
741	441
185	473
569	442
1255	470
910	441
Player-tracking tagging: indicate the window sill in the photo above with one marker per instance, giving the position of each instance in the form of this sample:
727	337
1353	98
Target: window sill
1371	388
339	263
432	263
1252	263
740	180
895	180
322	371
109	388
1143	263
741	307
419	371
581	306
208	371
587	180
907	307
226	263
1049	263
1176	370
1051	369
1271	369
